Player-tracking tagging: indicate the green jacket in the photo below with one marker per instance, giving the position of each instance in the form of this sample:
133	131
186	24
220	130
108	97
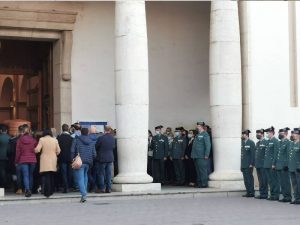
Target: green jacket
297	159
160	146
247	153
292	162
281	156
178	147
201	146
4	146
260	149
271	149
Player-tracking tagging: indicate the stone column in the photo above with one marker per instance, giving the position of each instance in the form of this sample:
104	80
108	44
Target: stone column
132	97
225	94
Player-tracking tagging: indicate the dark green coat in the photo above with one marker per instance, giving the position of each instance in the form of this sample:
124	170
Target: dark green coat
260	153
178	147
201	146
160	146
294	147
247	153
271	149
4	146
281	156
297	159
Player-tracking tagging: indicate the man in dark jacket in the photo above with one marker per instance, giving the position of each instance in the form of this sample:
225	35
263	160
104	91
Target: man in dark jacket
85	147
65	143
4	151
105	157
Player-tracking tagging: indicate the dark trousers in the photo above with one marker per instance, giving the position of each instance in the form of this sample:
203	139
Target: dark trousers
248	180
295	187
3	179
201	171
149	165
190	171
158	170
179	171
48	183
285	184
169	171
273	182
66	175
263	184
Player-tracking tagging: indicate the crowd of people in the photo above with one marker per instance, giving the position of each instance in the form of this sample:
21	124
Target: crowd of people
277	162
182	158
33	162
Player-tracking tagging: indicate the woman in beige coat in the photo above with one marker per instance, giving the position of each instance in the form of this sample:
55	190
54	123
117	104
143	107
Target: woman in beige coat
49	149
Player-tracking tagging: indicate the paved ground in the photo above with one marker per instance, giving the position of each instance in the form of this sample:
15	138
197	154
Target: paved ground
164	211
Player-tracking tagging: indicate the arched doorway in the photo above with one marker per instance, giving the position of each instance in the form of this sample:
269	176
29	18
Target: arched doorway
6	99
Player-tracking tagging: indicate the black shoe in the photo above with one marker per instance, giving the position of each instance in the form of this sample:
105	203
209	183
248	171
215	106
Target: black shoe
260	197
251	195
245	196
273	199
82	200
27	194
292	202
285	200
297	202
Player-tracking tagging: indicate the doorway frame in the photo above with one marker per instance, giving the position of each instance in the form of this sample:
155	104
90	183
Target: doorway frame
50	26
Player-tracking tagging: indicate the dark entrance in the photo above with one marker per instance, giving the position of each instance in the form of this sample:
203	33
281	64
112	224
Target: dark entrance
26	82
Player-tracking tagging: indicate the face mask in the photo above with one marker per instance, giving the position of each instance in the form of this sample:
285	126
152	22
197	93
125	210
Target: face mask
280	136
258	136
292	138
176	134
157	132
190	135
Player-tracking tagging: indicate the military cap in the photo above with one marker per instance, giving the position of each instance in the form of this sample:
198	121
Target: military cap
178	129
158	127
201	123
261	131
284	129
296	131
246	132
270	129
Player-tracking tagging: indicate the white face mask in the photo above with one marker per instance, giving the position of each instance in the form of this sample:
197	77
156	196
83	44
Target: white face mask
190	135
176	134
157	131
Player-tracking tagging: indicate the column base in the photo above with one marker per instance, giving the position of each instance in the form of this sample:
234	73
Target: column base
123	178
227	184
151	187
2	192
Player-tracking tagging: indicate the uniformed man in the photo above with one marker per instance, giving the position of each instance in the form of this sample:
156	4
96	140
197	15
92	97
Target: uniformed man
160	146
259	164
281	165
177	156
292	164
247	163
169	169
200	154
297	199
271	149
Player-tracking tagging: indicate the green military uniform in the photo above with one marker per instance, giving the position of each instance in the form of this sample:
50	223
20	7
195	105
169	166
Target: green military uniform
177	154
292	164
271	149
4	151
160	147
201	149
297	157
247	163
281	164
259	165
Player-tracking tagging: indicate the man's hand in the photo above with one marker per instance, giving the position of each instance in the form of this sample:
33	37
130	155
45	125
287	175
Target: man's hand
273	167
182	158
186	157
206	157
250	166
171	158
165	158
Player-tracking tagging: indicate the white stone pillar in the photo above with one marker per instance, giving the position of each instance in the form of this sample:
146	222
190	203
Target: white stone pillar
225	94
132	96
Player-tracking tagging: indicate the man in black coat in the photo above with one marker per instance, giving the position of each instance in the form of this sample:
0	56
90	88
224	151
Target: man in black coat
65	143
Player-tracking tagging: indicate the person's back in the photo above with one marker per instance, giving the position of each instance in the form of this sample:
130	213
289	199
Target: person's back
65	143
4	141
85	147
105	148
25	150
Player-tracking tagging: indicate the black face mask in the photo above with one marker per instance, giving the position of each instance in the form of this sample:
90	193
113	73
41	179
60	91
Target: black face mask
280	136
258	136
